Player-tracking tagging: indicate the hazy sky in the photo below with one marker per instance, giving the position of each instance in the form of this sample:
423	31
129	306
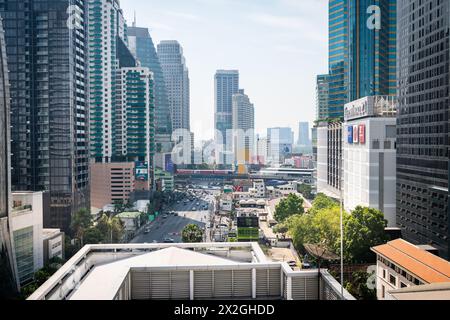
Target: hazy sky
278	46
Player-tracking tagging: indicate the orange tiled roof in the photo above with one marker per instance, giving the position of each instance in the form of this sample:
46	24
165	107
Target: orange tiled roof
418	262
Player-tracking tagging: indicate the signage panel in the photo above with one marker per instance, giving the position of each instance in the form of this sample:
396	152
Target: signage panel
350	134
362	133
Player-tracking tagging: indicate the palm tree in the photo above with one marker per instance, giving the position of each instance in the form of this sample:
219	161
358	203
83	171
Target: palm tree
111	227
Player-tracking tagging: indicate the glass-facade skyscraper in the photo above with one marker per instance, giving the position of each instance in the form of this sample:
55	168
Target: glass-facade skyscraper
338	58
47	59
362	54
423	123
176	78
143	48
372	49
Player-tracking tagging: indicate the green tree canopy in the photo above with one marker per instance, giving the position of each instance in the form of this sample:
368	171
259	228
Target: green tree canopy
192	234
320	228
322	202
291	205
93	236
364	228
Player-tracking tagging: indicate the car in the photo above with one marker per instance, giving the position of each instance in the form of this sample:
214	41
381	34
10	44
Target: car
165	216
147	230
168	240
194	209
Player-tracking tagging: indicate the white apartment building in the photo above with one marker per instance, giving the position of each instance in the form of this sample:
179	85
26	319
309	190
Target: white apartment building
27	233
402	265
260	188
370	155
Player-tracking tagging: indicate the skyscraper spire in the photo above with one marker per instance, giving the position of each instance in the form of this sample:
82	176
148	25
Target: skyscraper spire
134	21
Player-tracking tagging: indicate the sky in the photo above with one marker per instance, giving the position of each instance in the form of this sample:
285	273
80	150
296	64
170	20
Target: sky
278	46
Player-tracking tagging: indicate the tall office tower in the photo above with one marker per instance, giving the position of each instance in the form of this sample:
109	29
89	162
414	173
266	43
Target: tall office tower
303	134
322	90
47	48
337	58
141	45
243	128
176	77
372	48
226	84
106	29
422	122
362	51
8	283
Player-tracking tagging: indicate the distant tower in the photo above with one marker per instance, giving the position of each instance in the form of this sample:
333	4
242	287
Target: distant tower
226	84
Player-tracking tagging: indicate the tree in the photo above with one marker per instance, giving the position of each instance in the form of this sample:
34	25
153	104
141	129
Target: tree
192	234
111	228
93	236
320	228
289	206
364	229
322	202
81	221
305	190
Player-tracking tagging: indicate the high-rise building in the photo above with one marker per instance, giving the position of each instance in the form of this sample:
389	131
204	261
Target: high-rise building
143	48
362	51
372	48
47	53
176	77
243	128
107	29
226	84
304	140
8	283
422	123
133	130
337	58
322	91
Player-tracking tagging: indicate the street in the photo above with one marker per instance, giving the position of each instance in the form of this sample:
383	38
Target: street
173	225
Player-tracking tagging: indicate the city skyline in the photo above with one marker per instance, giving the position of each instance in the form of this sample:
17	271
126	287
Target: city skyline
278	32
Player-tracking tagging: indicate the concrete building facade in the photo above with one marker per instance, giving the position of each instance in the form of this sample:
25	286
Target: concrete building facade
370	155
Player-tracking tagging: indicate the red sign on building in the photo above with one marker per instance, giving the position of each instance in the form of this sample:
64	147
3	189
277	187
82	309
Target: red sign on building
362	133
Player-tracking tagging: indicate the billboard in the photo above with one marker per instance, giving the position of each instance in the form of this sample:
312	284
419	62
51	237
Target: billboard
141	171
168	163
362	133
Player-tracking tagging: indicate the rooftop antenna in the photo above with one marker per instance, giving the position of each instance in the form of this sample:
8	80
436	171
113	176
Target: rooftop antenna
134	21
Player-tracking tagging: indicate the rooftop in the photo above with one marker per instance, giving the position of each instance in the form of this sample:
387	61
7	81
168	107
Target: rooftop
184	271
435	291
424	265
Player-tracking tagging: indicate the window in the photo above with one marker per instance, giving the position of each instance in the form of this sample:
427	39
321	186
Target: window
392	280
